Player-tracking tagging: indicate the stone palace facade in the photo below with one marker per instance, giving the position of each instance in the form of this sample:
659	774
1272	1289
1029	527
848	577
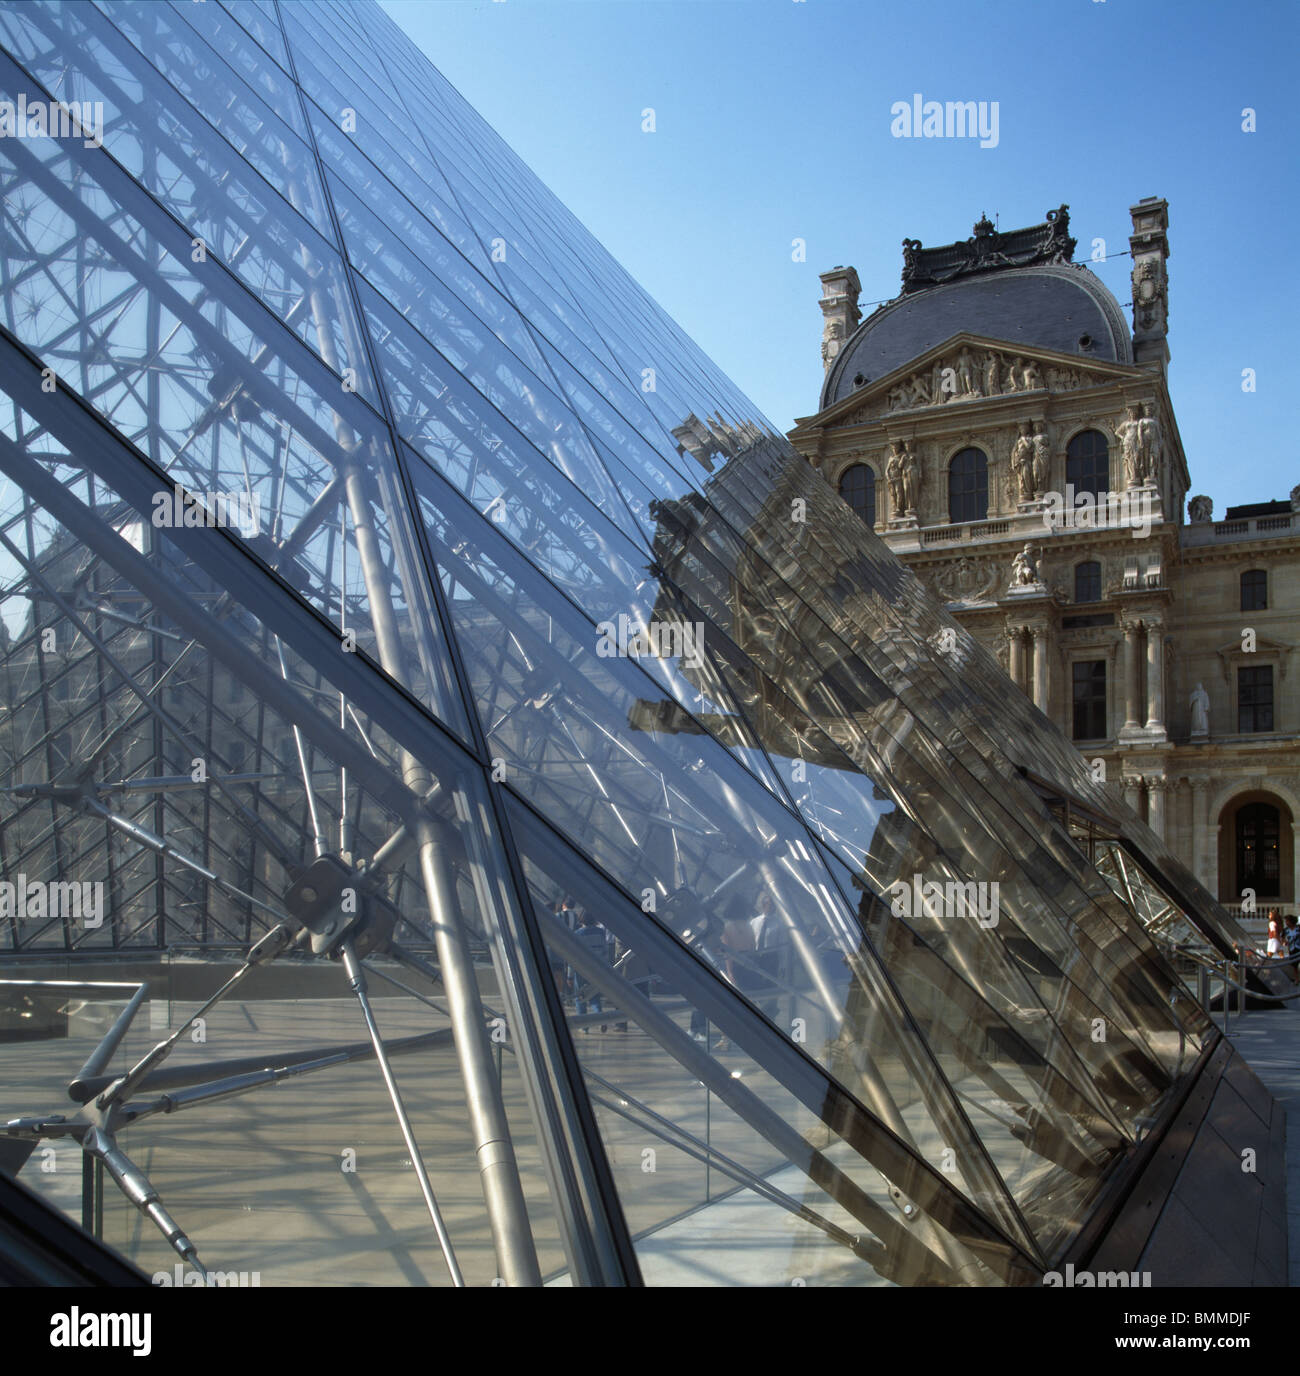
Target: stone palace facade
1012	439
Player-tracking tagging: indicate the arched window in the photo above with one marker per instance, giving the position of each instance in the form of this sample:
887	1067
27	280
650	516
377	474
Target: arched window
1087	462
1254	590
1258	856
1087	581
968	486
858	488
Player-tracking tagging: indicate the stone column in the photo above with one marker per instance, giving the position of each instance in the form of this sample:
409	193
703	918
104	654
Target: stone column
1200	828
1131	675
1217	832
1133	794
1156	787
1155	676
1295	865
1017	656
840	313
1041	682
1149	244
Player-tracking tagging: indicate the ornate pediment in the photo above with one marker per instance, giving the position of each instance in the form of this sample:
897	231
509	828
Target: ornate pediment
1263	649
969	369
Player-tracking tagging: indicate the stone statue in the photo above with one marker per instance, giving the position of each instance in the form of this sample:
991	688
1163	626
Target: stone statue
992	375
966	383
937	393
1127	434
894	477
920	390
911	472
1295	498
1030	377
1202	508
1200	709
1150	445
1024	569
897	400
1022	464
1013	374
1042	458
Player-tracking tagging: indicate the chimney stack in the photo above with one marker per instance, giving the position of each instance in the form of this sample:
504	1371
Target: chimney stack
839	303
1150	244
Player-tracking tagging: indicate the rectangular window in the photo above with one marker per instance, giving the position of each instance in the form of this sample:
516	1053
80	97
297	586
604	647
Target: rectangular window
1255	699
1089	697
1254	590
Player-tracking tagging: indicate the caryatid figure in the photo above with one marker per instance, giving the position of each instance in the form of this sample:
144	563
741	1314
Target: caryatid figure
1149	445
1042	458
1127	432
1022	463
911	481
894	477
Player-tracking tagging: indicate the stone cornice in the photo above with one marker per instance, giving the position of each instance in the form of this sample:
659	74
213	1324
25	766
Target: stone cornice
1231	552
840	413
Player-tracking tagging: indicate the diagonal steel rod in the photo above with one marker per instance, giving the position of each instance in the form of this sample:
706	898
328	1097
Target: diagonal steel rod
136	1186
270	946
357	978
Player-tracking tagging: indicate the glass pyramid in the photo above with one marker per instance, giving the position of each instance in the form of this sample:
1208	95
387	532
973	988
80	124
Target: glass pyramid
432	688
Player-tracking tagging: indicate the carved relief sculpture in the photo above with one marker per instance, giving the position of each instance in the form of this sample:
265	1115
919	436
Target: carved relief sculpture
831	343
992	374
1150	295
966	382
966	581
970	374
1200	508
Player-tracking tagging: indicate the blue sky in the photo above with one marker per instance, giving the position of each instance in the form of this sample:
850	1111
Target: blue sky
773	123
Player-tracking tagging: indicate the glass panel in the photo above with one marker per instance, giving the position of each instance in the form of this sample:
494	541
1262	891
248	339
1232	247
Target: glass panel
760	1172
248	584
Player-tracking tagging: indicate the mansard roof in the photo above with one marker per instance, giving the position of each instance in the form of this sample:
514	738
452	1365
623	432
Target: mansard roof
1020	286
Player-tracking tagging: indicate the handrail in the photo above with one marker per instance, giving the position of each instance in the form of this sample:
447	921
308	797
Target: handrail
1221	969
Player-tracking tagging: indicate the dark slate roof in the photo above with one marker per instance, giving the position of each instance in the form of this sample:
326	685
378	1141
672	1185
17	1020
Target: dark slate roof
1241	513
1049	305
